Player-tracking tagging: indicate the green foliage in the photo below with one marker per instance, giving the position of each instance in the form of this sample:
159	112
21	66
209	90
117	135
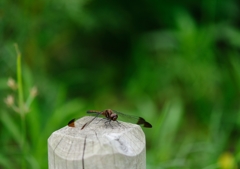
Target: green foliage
175	63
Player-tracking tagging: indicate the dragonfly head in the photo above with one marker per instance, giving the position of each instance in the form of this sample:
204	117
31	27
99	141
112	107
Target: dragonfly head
114	117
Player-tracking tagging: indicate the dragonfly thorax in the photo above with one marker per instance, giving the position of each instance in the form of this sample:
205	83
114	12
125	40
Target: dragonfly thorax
110	115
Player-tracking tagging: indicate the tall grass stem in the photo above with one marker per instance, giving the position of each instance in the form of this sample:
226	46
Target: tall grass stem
21	105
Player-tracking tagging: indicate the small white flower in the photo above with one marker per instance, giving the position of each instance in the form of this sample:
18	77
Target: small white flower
9	100
11	83
33	92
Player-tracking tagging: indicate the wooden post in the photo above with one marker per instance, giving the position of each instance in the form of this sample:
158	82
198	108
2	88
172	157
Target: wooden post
98	146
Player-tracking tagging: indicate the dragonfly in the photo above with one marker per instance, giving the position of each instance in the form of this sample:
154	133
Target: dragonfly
112	115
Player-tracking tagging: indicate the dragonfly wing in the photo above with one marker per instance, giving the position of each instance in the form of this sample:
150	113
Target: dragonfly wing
71	123
134	119
96	115
143	122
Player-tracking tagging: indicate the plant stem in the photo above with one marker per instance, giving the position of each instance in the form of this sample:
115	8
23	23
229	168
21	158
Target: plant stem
19	81
23	126
21	105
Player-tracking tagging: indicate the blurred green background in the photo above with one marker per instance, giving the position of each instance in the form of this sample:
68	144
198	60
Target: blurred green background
175	63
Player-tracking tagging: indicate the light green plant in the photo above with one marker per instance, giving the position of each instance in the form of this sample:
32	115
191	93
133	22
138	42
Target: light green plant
21	107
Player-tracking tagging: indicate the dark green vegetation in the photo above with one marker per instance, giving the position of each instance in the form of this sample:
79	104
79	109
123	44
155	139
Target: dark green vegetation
176	63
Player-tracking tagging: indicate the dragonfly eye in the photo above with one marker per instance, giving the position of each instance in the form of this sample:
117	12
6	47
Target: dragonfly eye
114	117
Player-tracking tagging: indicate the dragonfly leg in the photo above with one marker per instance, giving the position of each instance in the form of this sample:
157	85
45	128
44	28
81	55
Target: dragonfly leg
109	123
118	123
100	120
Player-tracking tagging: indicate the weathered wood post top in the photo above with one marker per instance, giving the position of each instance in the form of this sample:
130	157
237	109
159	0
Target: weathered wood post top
97	146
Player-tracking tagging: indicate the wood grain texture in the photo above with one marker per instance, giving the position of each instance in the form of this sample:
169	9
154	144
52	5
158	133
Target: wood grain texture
98	146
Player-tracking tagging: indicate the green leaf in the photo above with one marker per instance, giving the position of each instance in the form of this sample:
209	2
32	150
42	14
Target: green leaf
11	126
5	162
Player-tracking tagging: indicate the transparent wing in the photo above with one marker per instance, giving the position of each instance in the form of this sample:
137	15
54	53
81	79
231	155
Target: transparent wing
133	119
93	113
